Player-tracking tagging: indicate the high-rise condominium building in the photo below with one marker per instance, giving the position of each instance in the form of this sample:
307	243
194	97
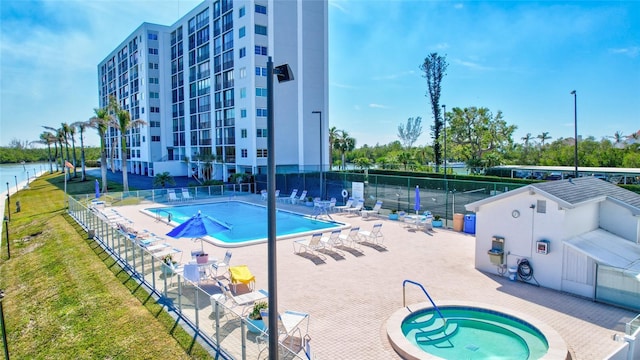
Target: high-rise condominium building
200	86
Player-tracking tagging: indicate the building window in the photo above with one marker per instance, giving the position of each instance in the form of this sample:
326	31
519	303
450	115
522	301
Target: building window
153	51
242	32
153	36
243	153
243	113
261	71
243	52
242	12
154	95
260	50
261	112
261	133
155	138
261	91
261	9
261	153
243	93
261	30
242	73
243	133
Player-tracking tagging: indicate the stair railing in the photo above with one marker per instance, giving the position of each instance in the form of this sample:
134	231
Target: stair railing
404	283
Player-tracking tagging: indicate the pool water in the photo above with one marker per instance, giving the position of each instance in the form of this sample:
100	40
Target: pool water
248	222
473	333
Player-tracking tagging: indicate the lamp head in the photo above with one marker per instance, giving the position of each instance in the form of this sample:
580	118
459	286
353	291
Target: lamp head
573	92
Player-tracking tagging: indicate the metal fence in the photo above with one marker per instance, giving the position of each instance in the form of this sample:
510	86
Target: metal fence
216	325
441	197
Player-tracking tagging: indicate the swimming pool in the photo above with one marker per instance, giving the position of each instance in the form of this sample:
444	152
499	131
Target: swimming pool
248	222
471	331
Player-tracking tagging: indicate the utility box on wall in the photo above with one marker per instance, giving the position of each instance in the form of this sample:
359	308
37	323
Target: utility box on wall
496	253
542	247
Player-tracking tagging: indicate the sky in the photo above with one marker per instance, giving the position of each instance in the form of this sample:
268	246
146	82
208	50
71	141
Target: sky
518	57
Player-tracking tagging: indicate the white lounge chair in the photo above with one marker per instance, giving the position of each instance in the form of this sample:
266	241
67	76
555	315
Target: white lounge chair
348	205
191	273
311	245
243	300
356	208
277	194
333	240
172	195
374	236
351	237
291	198
221	264
288	325
186	195
263	195
374	211
300	198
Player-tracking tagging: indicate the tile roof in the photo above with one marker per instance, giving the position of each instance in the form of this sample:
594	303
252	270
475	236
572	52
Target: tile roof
575	191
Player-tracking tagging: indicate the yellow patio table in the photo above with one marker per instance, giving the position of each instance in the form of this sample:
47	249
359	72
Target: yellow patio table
242	274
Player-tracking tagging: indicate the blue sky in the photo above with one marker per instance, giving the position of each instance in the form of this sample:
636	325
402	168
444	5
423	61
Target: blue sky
522	58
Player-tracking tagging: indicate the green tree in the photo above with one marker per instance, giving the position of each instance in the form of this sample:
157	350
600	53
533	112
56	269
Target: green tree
163	179
333	135
71	132
344	143
82	126
48	138
543	137
476	134
411	132
101	122
435	68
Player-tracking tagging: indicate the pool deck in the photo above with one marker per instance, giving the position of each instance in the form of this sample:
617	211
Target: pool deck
350	296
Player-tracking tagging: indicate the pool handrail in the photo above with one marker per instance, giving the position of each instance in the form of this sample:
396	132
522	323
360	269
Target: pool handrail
404	303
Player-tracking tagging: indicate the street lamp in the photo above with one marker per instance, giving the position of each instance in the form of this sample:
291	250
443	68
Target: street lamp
4	329
575	128
284	73
16	179
321	188
446	183
8	202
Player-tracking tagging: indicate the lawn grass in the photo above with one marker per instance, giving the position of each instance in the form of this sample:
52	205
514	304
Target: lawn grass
66	299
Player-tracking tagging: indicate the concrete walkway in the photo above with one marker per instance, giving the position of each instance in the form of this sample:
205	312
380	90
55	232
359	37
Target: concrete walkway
351	295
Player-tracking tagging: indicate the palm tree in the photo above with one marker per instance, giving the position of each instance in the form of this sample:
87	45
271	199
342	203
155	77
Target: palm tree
65	135
72	134
344	143
526	139
124	124
101	122
163	179
57	136
544	137
333	136
81	125
48	138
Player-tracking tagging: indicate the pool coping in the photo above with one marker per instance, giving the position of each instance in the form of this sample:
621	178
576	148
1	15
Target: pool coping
216	242
557	346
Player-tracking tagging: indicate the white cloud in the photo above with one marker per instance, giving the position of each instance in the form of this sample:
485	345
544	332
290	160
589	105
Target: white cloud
472	65
631	51
378	106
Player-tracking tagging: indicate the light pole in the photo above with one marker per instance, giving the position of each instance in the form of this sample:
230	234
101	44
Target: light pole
15	177
6	235
283	72
4	329
321	188
575	134
8	202
446	183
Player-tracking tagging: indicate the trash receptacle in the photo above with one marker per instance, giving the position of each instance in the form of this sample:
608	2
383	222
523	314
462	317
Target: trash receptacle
513	273
458	222
470	223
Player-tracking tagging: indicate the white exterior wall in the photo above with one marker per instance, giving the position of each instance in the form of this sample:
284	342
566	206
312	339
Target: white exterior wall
619	220
521	234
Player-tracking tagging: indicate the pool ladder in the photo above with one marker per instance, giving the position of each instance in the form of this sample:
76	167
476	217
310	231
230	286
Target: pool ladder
404	301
